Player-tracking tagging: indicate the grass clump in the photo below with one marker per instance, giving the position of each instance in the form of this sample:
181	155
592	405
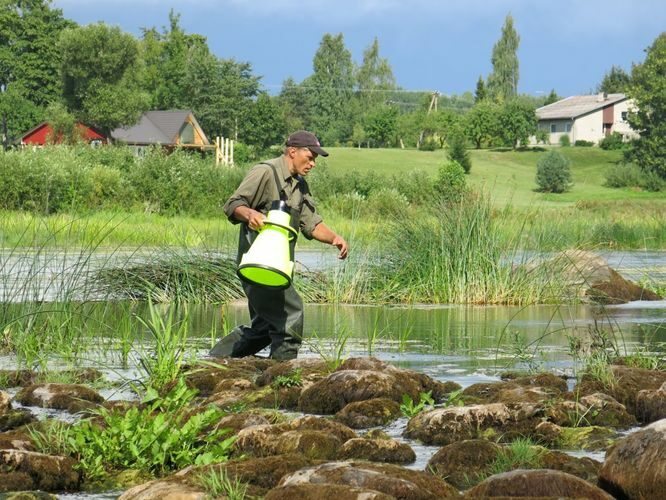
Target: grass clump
522	453
217	483
161	436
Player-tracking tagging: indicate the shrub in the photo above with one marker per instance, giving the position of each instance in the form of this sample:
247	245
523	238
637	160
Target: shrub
623	175
613	141
458	151
430	144
583	144
387	202
565	141
542	136
553	173
451	182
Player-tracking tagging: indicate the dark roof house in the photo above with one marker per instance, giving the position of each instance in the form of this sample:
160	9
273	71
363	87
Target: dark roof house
169	129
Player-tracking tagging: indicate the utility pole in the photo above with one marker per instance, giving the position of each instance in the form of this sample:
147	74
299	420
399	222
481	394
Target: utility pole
434	97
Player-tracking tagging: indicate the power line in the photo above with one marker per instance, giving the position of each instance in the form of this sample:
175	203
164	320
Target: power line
310	87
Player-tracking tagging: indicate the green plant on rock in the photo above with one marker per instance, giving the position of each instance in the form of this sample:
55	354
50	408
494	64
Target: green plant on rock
293	379
410	409
455	398
521	453
160	436
217	483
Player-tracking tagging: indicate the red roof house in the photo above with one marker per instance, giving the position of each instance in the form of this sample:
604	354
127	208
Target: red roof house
42	134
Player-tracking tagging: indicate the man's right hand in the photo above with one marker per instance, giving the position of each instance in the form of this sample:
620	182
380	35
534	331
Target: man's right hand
253	218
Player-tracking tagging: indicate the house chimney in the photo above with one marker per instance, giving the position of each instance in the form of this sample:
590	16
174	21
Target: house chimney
602	96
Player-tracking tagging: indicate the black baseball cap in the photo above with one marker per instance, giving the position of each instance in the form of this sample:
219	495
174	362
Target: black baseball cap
305	139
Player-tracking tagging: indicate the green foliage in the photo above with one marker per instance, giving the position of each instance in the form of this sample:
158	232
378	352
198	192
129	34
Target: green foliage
565	141
480	93
217	483
615	81
451	183
410	409
553	173
380	125
583	144
517	121
542	136
551	98
101	76
293	379
373	77
503	81
623	175
160	436
648	90
481	123
458	151
169	337
613	141
522	453
331	90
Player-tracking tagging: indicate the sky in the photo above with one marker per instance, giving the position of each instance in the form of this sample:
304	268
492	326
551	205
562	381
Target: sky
431	45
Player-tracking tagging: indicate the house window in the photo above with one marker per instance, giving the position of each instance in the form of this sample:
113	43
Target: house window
187	134
553	128
624	116
568	127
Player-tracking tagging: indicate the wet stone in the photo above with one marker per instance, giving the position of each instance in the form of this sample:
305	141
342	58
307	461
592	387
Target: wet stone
370	413
70	397
377	450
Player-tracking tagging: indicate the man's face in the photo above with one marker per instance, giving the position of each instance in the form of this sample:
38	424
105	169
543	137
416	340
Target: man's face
303	160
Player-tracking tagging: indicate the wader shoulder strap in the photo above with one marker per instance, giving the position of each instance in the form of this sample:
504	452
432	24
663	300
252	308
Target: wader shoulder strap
280	188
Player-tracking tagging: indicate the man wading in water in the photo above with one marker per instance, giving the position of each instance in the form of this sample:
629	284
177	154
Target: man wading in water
276	315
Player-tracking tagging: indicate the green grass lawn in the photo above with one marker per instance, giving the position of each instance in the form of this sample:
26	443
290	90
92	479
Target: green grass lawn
508	175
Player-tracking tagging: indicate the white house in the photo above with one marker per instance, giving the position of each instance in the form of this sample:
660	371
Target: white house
587	117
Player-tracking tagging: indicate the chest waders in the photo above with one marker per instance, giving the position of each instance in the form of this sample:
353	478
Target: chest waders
276	309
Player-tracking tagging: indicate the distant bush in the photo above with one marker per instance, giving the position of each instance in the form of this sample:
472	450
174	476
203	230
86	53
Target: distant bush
583	144
542	136
553	173
565	141
429	144
451	183
613	141
630	175
458	151
623	175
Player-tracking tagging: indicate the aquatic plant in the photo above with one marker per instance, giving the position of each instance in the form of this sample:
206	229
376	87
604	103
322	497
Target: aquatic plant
217	483
410	409
160	436
522	453
293	379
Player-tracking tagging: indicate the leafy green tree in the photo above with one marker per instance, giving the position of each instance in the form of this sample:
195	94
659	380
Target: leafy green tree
480	93
101	76
29	56
481	123
237	89
265	126
648	89
295	105
551	98
63	124
503	81
18	114
374	77
380	125
358	135
616	81
553	173
331	90
517	121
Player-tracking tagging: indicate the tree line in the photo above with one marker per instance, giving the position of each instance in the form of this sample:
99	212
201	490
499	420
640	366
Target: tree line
55	70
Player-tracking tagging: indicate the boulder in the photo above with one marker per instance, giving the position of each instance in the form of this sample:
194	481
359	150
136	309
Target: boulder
371	413
392	480
651	405
165	490
311	370
16	440
70	397
536	483
591	438
591	278
28	470
325	491
463	463
5	402
377	450
603	410
206	379
13	419
627	383
443	426
636	466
